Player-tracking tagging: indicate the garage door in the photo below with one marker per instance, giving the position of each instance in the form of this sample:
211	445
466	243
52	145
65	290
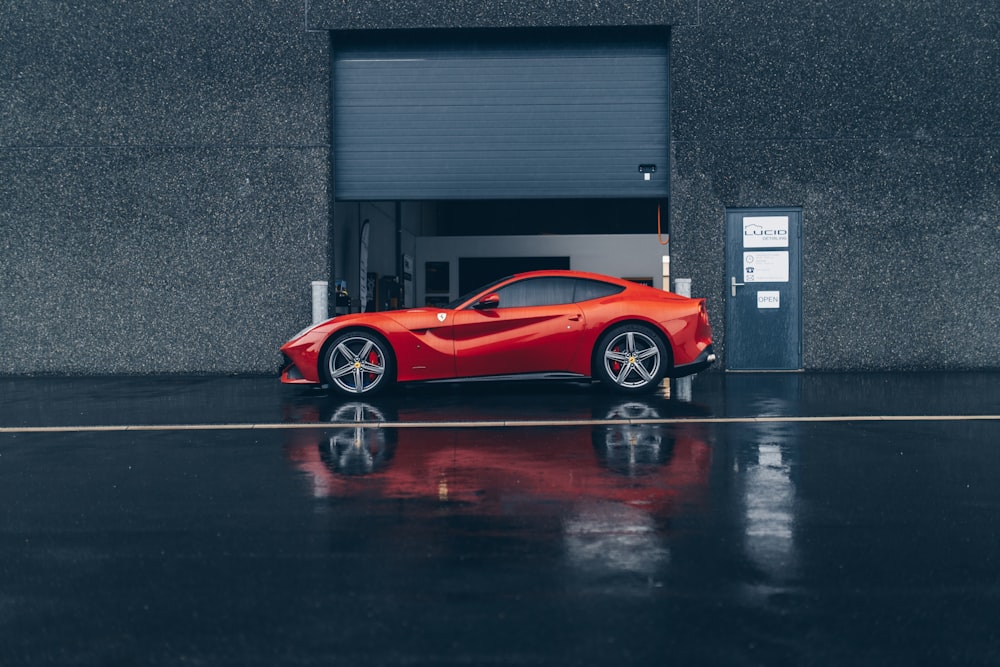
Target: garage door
500	118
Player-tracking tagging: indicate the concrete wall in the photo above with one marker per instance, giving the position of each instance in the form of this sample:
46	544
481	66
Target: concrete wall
879	119
163	179
164	168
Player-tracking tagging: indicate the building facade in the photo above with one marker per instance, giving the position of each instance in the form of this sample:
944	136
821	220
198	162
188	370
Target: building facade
171	180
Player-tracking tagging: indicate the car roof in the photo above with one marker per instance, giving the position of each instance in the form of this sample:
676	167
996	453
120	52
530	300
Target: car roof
567	273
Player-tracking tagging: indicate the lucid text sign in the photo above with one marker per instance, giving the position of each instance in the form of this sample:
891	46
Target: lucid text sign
765	231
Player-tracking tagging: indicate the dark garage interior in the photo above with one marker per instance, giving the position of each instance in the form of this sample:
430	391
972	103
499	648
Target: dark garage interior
548	216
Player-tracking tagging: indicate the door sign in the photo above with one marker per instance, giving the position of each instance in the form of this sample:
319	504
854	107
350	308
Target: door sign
765	267
768	300
765	231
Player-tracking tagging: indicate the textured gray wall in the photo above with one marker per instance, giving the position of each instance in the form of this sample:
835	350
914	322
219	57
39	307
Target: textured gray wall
163	173
164	168
879	118
403	14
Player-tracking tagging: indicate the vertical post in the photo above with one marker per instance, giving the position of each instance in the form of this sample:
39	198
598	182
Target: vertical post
399	248
682	286
682	386
320	301
331	198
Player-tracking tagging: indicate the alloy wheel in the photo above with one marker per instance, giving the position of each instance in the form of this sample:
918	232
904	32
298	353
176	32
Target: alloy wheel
632	359
357	364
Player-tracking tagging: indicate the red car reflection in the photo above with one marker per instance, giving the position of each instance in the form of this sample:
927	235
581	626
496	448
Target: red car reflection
555	324
652	467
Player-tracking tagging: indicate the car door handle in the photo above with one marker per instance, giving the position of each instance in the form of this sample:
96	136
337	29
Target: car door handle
574	318
735	285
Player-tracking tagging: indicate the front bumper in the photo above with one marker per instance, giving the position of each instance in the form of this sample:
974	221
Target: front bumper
704	360
290	373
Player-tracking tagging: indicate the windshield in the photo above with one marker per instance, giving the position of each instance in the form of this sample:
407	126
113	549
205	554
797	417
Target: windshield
468	295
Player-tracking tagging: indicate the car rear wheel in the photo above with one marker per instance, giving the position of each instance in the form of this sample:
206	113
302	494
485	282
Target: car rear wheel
358	362
631	358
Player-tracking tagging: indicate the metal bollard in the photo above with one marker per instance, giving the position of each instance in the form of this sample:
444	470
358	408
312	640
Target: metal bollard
319	296
682	286
682	386
682	389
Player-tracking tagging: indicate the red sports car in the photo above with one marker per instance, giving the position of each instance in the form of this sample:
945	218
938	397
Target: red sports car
545	324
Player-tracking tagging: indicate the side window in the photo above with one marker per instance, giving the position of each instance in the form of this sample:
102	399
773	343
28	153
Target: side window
593	289
536	292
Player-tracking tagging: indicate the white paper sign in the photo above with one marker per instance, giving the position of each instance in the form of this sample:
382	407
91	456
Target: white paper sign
765	267
769	300
765	232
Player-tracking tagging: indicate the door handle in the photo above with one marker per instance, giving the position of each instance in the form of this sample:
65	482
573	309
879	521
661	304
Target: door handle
735	284
574	318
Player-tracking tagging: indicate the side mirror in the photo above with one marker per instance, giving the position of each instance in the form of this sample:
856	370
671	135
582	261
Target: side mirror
488	302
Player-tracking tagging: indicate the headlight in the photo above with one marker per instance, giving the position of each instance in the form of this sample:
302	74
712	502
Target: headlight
304	332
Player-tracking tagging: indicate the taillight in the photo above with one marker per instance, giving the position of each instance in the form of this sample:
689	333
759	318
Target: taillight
705	328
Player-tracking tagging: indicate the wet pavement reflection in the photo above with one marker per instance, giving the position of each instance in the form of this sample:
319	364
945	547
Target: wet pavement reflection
645	466
617	538
608	493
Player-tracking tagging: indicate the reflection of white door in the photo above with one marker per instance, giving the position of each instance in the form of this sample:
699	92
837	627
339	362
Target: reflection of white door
769	511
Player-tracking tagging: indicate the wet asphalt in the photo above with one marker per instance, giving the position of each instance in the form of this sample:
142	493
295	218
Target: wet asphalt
758	519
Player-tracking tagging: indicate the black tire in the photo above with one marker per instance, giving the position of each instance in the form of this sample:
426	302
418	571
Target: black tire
358	363
631	358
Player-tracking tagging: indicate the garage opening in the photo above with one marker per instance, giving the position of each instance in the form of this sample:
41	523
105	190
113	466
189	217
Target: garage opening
547	216
499	144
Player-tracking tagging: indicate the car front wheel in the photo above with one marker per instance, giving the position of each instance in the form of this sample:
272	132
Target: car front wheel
631	358
358	362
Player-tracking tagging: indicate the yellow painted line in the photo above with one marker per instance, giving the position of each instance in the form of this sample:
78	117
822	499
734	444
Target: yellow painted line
139	428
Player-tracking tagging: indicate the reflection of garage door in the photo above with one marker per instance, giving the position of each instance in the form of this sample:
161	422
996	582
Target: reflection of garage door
497	118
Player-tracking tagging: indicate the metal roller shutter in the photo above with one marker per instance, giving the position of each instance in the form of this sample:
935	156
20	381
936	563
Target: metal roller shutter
500	119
